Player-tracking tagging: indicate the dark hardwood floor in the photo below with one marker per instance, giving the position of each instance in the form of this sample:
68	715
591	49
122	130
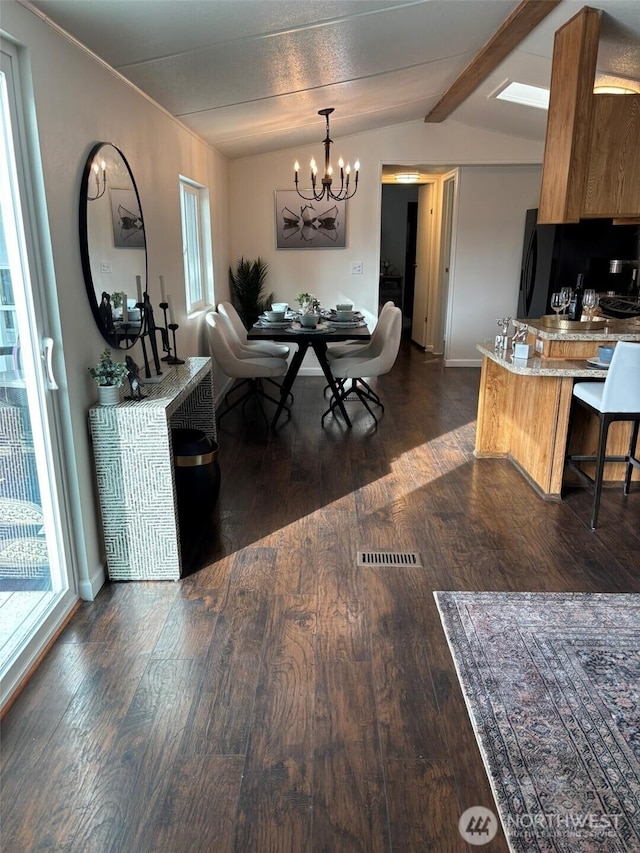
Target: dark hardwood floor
280	698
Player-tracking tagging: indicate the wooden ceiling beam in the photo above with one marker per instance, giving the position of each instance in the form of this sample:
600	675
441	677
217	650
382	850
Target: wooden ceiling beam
524	18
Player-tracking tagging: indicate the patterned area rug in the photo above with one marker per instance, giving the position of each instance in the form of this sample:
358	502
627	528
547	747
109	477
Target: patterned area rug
552	686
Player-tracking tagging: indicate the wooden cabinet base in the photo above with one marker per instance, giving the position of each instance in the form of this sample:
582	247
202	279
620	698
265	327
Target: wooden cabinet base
526	419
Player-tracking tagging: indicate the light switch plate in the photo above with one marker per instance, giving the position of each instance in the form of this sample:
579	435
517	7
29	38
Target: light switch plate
357	268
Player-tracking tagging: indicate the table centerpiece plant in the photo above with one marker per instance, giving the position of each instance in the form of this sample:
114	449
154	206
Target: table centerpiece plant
309	304
109	376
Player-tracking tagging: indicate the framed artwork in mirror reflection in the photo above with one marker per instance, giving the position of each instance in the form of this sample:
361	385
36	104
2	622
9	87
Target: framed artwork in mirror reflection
302	224
128	228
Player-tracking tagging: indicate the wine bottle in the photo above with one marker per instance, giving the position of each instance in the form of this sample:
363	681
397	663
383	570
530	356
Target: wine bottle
575	306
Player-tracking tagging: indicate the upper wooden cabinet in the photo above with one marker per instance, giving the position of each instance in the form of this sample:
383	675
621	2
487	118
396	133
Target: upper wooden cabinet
592	151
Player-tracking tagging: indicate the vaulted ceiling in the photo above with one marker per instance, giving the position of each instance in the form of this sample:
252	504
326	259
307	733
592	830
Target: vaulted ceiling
250	75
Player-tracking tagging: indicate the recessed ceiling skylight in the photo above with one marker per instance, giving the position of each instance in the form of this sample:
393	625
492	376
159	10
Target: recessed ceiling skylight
522	93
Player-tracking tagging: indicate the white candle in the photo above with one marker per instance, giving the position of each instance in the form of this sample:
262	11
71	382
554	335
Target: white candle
125	313
139	287
163	293
170	303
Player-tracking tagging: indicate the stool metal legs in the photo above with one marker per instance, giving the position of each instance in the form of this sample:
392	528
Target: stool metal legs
605	419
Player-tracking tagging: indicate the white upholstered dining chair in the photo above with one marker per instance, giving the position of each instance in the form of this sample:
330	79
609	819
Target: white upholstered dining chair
248	372
236	335
253	349
376	359
616	398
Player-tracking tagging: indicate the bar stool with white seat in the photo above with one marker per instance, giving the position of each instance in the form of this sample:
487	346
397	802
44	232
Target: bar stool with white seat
616	398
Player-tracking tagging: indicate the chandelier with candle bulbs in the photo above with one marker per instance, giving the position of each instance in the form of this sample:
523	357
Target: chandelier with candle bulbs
327	191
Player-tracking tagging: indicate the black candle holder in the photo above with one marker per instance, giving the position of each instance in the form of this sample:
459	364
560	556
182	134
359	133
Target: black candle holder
166	347
173	358
148	330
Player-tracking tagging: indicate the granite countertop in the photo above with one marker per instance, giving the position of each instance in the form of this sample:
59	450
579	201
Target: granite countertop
537	366
614	330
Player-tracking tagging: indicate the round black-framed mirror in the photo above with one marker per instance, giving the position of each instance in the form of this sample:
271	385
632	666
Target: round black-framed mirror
113	245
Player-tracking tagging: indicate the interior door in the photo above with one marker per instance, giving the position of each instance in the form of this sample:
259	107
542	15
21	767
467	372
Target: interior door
444	265
423	265
37	589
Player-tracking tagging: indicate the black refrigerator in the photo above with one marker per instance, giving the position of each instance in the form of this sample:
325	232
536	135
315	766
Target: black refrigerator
554	255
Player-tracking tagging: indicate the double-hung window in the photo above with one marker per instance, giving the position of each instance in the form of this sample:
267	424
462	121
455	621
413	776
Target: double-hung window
196	245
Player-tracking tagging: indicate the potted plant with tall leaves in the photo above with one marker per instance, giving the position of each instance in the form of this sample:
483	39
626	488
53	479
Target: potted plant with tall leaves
247	289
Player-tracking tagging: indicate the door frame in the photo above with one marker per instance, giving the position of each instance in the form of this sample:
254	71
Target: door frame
43	320
433	295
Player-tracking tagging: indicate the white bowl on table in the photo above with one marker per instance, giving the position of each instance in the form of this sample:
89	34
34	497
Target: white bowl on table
309	321
344	316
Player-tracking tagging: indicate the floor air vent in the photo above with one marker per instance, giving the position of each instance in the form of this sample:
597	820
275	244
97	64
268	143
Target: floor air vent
389	558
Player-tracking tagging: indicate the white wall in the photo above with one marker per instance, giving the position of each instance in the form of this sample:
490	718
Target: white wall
327	272
486	255
79	102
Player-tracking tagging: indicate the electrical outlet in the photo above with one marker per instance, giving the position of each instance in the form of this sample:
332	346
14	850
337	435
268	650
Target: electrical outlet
105	267
357	268
539	344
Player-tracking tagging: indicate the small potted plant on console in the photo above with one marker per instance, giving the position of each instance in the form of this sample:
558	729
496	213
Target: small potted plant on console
109	376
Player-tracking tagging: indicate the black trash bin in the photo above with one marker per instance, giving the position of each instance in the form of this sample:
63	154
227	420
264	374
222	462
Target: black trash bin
197	473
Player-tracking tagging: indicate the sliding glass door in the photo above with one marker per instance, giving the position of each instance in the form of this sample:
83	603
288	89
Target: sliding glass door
36	587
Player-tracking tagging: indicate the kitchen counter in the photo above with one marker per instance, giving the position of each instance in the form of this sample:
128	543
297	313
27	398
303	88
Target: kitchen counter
551	343
524	405
539	366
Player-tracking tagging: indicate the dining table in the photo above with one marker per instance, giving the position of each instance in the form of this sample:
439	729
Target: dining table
316	339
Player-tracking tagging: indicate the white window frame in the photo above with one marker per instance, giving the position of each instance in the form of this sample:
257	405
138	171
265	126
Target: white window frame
196	245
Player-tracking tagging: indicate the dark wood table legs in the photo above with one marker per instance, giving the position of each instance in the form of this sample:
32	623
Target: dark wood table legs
320	349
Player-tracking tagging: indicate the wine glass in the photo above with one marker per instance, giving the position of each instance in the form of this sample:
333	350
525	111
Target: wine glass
566	293
589	302
557	302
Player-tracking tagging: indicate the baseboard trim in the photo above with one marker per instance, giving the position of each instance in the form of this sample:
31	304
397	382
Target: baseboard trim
90	587
463	362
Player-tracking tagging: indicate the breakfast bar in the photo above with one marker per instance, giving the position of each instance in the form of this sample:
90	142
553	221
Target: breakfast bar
524	404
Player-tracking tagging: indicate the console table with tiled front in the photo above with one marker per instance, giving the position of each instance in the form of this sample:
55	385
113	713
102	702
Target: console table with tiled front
135	470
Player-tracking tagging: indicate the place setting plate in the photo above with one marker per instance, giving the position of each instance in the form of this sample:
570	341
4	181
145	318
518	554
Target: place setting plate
597	364
347	324
322	326
263	323
355	322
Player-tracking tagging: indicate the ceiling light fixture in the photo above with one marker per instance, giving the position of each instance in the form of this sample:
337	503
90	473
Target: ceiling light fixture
613	90
327	180
407	177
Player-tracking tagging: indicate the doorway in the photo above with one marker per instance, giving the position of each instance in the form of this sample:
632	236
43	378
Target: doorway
423	214
398	230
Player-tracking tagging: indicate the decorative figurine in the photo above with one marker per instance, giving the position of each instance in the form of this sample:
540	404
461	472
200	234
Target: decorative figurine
520	335
134	379
502	339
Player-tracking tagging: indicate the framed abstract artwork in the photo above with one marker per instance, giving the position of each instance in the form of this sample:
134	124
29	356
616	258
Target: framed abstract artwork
304	224
128	228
